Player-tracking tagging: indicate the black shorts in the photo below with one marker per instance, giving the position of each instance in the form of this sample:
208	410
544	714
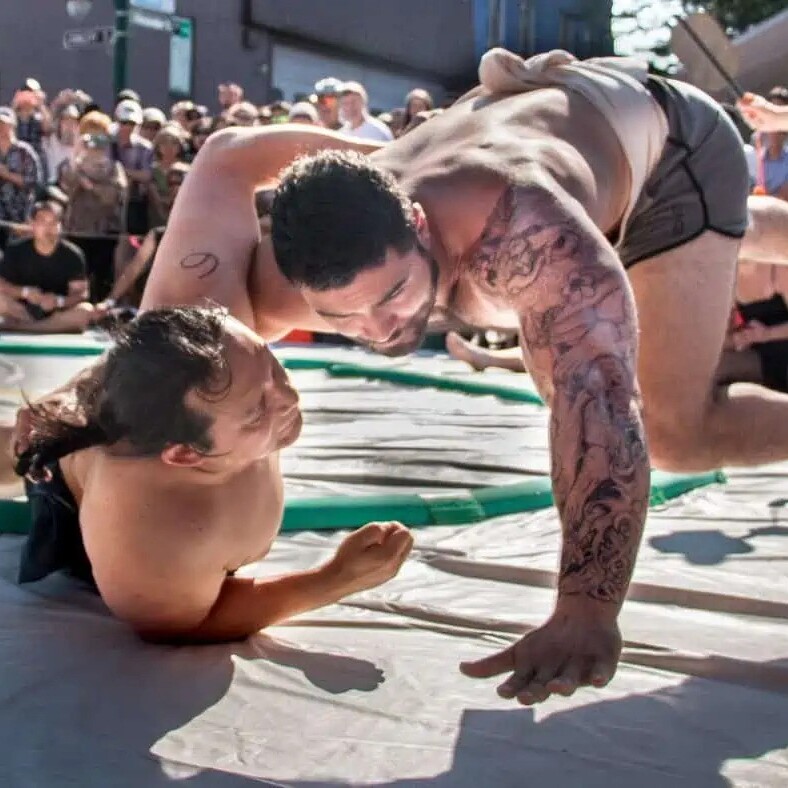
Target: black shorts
699	183
54	542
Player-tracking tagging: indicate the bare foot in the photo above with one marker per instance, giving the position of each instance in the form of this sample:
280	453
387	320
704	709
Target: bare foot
463	350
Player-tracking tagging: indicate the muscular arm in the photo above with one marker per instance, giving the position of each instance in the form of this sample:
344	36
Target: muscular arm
544	257
213	229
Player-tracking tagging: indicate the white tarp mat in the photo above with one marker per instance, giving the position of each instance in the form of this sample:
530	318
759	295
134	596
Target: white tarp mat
369	693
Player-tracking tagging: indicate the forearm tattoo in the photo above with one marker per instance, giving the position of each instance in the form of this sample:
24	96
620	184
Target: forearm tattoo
201	263
579	327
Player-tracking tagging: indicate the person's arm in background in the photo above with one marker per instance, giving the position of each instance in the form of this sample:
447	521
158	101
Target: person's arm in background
543	255
762	115
135	268
144	173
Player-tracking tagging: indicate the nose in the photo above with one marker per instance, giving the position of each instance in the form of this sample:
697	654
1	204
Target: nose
379	329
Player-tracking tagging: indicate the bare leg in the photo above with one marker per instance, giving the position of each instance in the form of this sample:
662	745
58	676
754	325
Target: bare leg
68	321
480	358
739	366
766	240
684	299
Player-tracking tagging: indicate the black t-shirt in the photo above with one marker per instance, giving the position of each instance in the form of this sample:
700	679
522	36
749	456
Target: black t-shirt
23	266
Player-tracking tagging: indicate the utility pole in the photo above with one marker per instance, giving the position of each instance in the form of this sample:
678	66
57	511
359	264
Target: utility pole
120	51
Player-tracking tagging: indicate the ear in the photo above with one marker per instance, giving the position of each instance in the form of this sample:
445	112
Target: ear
181	455
422	226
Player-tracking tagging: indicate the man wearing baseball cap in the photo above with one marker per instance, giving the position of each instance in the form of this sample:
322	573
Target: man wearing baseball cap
354	106
327	91
135	153
20	172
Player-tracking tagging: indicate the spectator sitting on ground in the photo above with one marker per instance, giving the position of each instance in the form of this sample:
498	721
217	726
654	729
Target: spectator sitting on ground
416	101
242	114
19	174
327	91
59	146
304	112
169	149
153	121
136	155
46	278
353	104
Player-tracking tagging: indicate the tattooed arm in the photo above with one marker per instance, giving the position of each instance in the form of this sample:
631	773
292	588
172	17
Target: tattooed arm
541	255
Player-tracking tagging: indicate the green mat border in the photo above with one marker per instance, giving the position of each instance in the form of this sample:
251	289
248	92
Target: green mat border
337	512
338	369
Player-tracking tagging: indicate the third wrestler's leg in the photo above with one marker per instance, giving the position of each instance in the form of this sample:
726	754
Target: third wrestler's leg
693	423
766	239
480	358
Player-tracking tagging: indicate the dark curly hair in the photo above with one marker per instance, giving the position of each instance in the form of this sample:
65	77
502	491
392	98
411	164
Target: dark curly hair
138	394
336	214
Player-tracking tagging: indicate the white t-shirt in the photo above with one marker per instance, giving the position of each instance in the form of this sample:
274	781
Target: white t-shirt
56	153
370	129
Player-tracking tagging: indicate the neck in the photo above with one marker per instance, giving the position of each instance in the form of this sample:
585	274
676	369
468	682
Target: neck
359	121
44	247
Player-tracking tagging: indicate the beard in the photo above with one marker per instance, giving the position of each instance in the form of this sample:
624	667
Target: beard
411	336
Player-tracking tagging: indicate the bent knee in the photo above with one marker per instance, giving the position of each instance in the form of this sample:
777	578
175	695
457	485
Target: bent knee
680	447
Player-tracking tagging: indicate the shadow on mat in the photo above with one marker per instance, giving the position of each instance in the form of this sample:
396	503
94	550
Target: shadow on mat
679	736
131	694
708	548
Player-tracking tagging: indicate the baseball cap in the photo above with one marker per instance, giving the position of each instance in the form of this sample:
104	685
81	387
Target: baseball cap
7	115
71	111
303	109
31	84
128	111
153	115
330	86
353	87
127	94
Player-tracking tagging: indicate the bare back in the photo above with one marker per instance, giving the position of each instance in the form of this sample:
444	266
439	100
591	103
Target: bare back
230	524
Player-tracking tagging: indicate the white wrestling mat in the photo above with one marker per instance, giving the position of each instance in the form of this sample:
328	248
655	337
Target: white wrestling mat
368	692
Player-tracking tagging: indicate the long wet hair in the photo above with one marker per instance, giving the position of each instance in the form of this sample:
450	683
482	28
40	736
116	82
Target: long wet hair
138	394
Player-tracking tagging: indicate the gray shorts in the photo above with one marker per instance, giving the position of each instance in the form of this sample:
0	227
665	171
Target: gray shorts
699	183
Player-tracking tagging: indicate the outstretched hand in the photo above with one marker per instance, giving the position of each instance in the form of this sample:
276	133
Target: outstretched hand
575	648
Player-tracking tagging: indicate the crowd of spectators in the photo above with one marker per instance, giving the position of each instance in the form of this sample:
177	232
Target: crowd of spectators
86	191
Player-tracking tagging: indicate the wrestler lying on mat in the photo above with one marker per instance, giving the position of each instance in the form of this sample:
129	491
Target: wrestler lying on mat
587	207
161	477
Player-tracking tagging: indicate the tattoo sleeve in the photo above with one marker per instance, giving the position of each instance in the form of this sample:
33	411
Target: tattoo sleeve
578	325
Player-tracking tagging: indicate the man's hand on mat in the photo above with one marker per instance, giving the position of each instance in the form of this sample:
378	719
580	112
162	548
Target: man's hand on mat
371	556
578	646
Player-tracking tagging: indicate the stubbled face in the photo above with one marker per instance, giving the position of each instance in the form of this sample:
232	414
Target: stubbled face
385	308
255	410
46	227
